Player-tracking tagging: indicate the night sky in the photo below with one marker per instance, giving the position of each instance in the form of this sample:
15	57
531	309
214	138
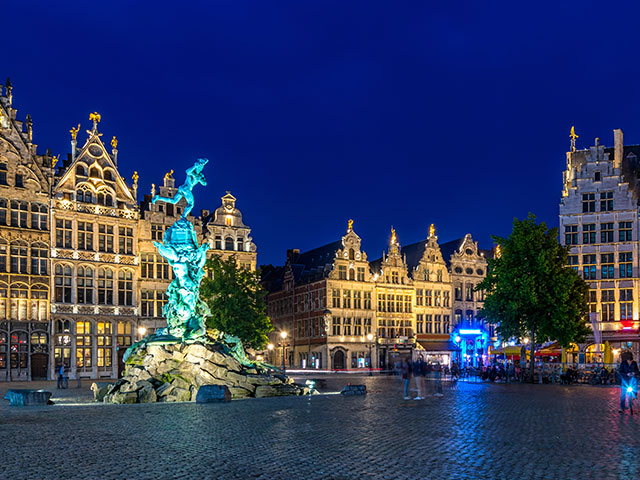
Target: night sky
311	113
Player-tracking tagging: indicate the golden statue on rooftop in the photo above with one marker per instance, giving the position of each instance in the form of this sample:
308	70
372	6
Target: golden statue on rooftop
54	160
95	117
350	225
114	142
393	235
573	136
498	251
135	177
169	175
74	132
432	230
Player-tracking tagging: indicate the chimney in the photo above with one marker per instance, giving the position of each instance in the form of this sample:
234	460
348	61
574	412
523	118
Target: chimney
618	144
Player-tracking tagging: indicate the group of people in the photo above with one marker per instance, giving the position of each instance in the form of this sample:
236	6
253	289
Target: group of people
421	371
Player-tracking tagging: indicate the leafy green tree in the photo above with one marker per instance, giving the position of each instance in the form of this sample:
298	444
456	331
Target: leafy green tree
237	302
530	289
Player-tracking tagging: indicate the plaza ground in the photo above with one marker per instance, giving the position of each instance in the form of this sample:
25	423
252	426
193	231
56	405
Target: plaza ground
476	430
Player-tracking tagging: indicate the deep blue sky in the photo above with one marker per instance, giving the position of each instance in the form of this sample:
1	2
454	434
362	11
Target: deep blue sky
390	113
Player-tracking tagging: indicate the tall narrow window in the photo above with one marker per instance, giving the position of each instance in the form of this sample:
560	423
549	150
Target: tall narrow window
19	256
83	346
63	283
39	303
3	174
146	265
125	240
125	287
161	301
63	233
103	339
85	285
157	231
228	243
606	201
105	238
85	236
19	180
625	232
124	334
3	211
606	232
626	304
606	265
147	303
571	234
589	233
105	286
589	266
625	264
39	254
608	305
38	216
19	213
588	202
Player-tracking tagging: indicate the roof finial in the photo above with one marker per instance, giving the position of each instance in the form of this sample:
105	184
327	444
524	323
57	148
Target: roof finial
54	160
135	178
74	132
114	142
169	175
350	225
573	137
432	230
95	117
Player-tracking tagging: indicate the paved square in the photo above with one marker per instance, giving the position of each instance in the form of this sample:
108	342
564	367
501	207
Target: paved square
474	431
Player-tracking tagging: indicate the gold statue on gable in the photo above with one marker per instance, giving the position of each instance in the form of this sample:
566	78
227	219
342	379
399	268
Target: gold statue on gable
573	136
393	235
169	175
54	160
432	230
135	177
114	142
350	225
74	132
95	117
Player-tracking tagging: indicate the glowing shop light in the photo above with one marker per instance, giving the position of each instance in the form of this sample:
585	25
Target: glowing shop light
630	389
470	331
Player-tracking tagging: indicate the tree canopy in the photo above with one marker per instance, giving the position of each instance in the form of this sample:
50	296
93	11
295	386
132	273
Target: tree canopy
237	302
530	289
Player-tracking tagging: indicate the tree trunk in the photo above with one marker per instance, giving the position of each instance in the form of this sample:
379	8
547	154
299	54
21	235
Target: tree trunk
532	362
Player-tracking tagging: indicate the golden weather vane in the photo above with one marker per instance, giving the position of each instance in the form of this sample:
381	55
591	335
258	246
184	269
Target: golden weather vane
74	132
573	137
350	225
169	175
114	142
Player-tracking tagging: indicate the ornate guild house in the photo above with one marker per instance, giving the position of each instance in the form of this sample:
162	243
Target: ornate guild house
342	312
80	278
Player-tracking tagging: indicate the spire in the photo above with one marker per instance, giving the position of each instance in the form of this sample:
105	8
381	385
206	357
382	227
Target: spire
573	136
29	128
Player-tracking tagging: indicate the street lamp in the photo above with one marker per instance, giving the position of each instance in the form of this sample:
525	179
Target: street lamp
370	338
458	340
283	335
270	348
142	331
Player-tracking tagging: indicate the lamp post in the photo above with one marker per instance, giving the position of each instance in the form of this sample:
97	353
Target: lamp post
270	349
458	340
370	338
283	335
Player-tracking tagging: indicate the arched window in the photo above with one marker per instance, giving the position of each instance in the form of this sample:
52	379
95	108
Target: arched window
105	199
352	274
125	287
19	349
352	254
38	338
83	346
38	216
228	243
104	342
19	256
39	254
80	170
469	316
19	213
19	301
469	292
240	244
105	286
84	195
458	316
63	326
85	285
108	175
94	172
63	283
39	302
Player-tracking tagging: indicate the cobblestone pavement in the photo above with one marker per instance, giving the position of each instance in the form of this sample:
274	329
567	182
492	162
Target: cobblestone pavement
475	431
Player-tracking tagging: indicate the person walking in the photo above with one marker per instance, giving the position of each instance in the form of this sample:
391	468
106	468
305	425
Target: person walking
419	368
61	376
406	377
437	368
627	373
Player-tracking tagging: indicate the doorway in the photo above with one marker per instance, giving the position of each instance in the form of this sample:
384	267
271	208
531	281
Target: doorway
39	363
338	360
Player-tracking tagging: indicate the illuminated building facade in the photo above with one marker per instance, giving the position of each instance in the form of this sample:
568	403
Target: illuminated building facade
599	221
80	278
330	299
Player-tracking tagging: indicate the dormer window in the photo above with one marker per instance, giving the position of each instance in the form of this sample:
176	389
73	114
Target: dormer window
228	220
94	172
80	170
19	181
597	177
105	199
108	176
84	196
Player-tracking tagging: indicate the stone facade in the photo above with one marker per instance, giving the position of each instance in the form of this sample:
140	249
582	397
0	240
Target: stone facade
330	299
599	221
80	278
